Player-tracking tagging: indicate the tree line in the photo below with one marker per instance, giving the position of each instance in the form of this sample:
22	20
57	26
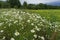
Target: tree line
17	4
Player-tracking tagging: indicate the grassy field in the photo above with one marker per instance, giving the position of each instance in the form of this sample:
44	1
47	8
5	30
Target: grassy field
17	24
53	15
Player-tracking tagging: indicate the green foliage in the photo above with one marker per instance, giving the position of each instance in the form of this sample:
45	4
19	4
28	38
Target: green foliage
4	4
14	3
25	5
31	6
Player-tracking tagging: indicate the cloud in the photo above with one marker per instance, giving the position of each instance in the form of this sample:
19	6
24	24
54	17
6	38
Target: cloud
38	1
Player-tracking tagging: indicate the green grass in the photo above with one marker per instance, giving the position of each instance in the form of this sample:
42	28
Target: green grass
53	15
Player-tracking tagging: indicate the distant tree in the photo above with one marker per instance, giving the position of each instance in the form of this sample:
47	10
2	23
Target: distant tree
17	4
41	6
0	4
25	4
14	3
31	6
3	4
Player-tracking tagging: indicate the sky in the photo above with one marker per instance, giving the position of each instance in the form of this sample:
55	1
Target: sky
38	1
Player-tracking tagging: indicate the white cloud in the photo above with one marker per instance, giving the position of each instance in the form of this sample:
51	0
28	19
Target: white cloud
38	1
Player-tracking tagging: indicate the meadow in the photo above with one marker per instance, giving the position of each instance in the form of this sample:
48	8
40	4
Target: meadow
51	14
17	24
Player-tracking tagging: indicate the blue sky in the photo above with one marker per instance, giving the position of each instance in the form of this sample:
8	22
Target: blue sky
38	1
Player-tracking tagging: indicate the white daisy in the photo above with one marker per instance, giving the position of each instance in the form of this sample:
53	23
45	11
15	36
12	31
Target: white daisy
32	31
35	36
17	33
3	37
32	24
12	39
28	21
2	31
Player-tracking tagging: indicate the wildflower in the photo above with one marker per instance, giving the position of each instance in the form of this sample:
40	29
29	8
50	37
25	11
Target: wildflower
32	24
15	21
6	14
28	21
12	39
38	24
14	12
37	29
56	26
39	36
2	31
18	12
4	27
22	27
42	38
17	33
33	39
50	24
33	16
21	12
3	37
9	24
27	13
32	31
35	36
38	16
35	19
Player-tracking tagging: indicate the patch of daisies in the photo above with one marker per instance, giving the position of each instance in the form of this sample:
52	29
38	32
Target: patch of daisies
18	25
